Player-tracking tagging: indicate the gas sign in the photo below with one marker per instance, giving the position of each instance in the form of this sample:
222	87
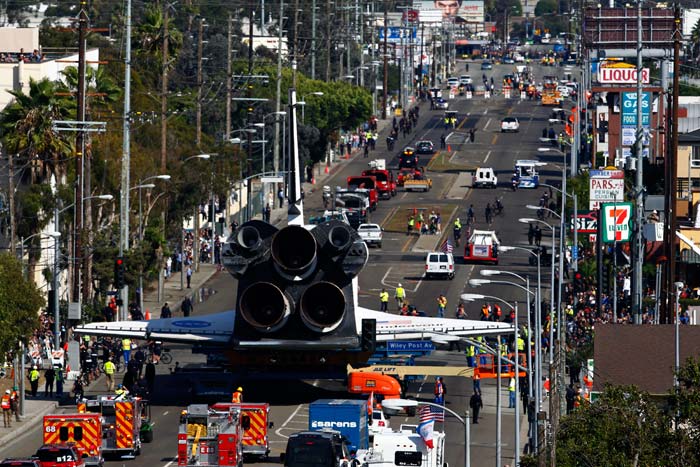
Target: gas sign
617	222
629	108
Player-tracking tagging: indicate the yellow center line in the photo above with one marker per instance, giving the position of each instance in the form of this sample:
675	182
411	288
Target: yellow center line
493	140
404	248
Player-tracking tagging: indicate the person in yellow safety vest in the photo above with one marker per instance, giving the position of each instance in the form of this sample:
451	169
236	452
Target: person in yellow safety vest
458	224
521	344
384	300
6	409
442	304
411	223
126	350
471	353
120	391
34	380
237	396
453	121
511	394
400	296
110	368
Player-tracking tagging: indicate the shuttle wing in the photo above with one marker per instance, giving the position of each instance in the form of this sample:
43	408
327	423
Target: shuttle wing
218	328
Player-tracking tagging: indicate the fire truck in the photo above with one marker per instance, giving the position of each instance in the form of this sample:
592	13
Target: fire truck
82	431
209	438
255	423
125	423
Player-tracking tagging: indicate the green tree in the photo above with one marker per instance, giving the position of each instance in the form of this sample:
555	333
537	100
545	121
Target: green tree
20	302
624	427
546	6
27	128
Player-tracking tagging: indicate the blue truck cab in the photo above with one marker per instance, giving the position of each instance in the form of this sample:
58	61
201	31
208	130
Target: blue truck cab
346	416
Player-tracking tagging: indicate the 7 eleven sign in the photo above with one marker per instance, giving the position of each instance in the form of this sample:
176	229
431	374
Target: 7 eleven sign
617	222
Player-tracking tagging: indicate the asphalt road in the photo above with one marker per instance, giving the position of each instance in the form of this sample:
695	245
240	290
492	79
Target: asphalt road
394	263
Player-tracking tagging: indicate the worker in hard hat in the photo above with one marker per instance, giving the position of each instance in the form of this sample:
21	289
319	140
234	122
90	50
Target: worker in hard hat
237	397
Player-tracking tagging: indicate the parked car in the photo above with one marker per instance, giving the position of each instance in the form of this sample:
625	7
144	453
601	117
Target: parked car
508	60
10	462
371	234
440	264
486	65
452	82
425	147
510	124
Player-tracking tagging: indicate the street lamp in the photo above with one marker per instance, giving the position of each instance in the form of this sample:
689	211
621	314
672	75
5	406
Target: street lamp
145	186
403	403
239	141
314	93
281	113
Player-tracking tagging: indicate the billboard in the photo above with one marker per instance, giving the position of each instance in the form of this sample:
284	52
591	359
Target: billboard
620	73
606	186
459	11
617	220
396	33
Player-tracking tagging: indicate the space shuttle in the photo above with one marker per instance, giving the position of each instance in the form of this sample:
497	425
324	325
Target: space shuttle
297	309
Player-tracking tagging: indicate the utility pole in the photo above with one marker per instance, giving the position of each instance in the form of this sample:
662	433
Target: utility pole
329	14
313	41
671	314
295	56
229	79
164	92
386	63
638	252
126	155
278	92
251	21
11	200
359	18
80	147
200	45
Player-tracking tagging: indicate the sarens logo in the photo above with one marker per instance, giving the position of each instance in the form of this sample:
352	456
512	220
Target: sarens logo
322	424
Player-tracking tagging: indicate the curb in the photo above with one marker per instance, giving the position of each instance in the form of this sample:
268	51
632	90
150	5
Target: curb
28	422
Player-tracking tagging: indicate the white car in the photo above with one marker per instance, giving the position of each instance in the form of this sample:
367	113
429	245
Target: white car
465	79
564	91
452	82
510	124
440	264
485	177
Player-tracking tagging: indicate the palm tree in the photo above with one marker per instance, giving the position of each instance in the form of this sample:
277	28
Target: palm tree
27	129
151	31
695	41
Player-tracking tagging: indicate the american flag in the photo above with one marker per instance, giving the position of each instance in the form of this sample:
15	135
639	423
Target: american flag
429	412
446	246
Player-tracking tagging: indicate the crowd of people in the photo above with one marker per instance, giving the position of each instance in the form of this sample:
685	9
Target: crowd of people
22	56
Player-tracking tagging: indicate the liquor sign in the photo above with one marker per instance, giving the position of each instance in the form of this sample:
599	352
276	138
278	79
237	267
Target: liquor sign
621	73
629	108
606	186
617	222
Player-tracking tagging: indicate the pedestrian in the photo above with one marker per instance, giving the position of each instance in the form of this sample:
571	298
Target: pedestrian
461	313
443	141
126	350
476	405
439	391
409	225
267	213
186	306
109	369
470	215
471	355
570	398
60	377
538	235
237	396
472	135
150	376
476	379
50	378
34	380
442	304
400	296
531	234
384	300
6	409
165	311
189	276
14	403
487	213
511	394
280	196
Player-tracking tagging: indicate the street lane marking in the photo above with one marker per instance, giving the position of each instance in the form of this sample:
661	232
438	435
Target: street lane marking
486	111
293	414
487	124
169	463
493	140
485	159
166	412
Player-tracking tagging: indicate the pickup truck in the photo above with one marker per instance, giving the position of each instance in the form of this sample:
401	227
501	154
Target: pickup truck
371	234
418	183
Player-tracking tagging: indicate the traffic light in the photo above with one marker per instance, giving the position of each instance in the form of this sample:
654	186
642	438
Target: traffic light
578	282
119	269
295	285
605	285
369	335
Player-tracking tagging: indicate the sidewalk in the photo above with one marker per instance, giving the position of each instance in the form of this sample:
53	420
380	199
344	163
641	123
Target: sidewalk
173	294
34	411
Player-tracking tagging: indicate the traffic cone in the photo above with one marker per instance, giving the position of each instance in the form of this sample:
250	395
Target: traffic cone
449	148
68	368
148	314
326	170
313	180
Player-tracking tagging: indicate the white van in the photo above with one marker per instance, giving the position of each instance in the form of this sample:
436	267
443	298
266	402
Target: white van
439	264
485	177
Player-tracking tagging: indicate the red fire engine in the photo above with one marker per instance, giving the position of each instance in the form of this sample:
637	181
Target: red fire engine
82	431
209	438
122	422
254	421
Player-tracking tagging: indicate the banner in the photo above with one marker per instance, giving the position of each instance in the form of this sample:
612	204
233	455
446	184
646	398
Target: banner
458	11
